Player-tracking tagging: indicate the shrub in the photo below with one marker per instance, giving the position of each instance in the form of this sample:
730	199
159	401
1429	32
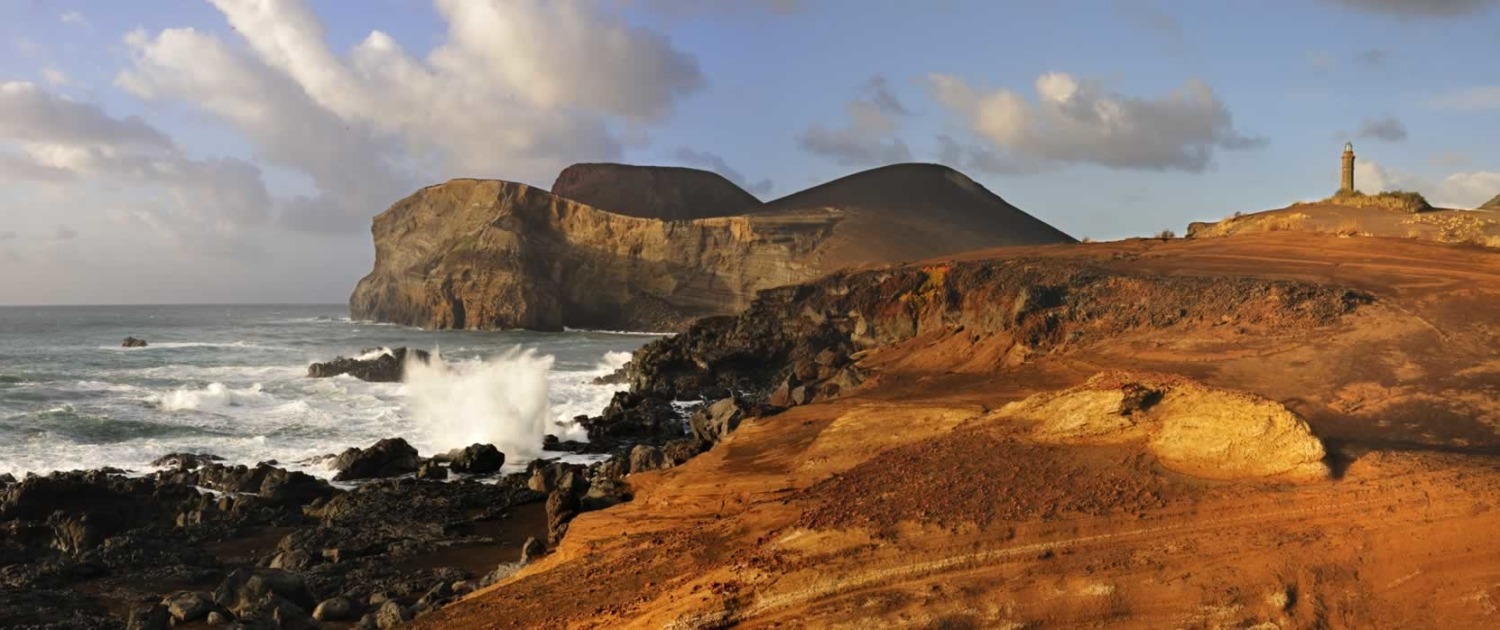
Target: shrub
1395	200
1166	235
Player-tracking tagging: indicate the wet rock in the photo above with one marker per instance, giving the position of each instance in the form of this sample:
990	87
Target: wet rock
432	471
532	550
388	367
552	443
216	618
712	423
645	457
335	609
132	342
477	459
185	606
185	461
390	457
631	415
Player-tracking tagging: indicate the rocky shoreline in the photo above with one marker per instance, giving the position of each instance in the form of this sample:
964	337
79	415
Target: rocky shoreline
261	546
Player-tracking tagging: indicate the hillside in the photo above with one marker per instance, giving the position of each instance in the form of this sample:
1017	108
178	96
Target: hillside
653	192
488	254
1261	430
1475	227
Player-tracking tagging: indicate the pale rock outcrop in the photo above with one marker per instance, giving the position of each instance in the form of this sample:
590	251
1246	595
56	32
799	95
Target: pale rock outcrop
1190	427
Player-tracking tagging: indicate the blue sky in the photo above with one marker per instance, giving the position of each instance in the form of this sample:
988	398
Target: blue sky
234	150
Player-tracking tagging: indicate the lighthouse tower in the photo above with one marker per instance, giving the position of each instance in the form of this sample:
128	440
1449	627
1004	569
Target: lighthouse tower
1346	183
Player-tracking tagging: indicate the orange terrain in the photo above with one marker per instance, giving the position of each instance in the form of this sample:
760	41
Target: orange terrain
1343	474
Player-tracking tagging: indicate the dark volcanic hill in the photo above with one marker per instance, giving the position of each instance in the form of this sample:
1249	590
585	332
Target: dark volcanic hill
1493	204
489	254
670	193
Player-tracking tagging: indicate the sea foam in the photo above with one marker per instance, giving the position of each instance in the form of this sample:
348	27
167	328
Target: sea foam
502	400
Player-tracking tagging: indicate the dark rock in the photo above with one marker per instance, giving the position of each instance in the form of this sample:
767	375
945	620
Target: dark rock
562	506
246	592
645	457
335	609
678	452
187	606
390	457
604	493
552	443
532	550
632	415
389	367
713	422
185	461
216	618
432	471
154	617
434	597
476	459
132	342
505	570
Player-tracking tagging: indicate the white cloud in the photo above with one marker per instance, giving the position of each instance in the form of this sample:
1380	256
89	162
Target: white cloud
73	17
518	90
1466	189
54	76
29	113
1076	121
868	137
1473	98
715	163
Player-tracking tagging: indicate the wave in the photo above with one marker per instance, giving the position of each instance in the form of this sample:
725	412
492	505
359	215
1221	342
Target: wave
503	400
215	396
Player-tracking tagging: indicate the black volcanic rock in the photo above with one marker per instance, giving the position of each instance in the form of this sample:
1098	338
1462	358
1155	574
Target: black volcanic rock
389	367
132	342
391	457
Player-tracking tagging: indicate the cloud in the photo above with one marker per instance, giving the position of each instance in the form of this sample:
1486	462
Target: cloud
1465	189
516	90
1473	98
1387	128
1078	122
1419	8
1322	61
710	161
868	137
29	113
54	76
73	17
64	233
7	235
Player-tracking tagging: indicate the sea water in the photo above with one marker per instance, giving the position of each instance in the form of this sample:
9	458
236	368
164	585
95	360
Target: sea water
232	381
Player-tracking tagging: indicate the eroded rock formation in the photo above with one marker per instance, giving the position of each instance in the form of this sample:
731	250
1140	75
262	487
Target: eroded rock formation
486	254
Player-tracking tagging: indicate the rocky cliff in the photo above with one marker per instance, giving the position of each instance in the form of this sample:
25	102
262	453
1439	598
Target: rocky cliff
486	254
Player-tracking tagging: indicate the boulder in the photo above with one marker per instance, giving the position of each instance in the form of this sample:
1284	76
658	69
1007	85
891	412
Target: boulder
335	609
476	459
186	606
185	461
390	457
562	506
262	592
432	471
645	457
712	423
389	615
387	367
132	342
532	550
154	617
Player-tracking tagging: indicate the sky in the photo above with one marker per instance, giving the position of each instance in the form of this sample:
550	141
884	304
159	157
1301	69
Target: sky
234	151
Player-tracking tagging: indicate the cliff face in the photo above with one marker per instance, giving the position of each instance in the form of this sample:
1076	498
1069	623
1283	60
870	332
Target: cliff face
486	254
1492	204
653	192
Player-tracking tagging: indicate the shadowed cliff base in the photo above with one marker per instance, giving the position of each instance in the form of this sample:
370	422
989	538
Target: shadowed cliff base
487	254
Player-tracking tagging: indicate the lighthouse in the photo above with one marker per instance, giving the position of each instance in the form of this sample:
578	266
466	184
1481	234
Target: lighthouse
1346	183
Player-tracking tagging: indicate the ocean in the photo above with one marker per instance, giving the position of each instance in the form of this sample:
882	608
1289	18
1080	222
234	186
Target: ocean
231	381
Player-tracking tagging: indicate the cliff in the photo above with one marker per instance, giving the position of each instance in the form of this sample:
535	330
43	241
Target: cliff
487	254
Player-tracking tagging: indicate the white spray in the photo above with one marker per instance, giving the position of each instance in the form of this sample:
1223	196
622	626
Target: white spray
502	401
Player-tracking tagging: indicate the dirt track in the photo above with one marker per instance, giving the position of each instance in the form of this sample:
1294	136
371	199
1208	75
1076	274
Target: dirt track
906	503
